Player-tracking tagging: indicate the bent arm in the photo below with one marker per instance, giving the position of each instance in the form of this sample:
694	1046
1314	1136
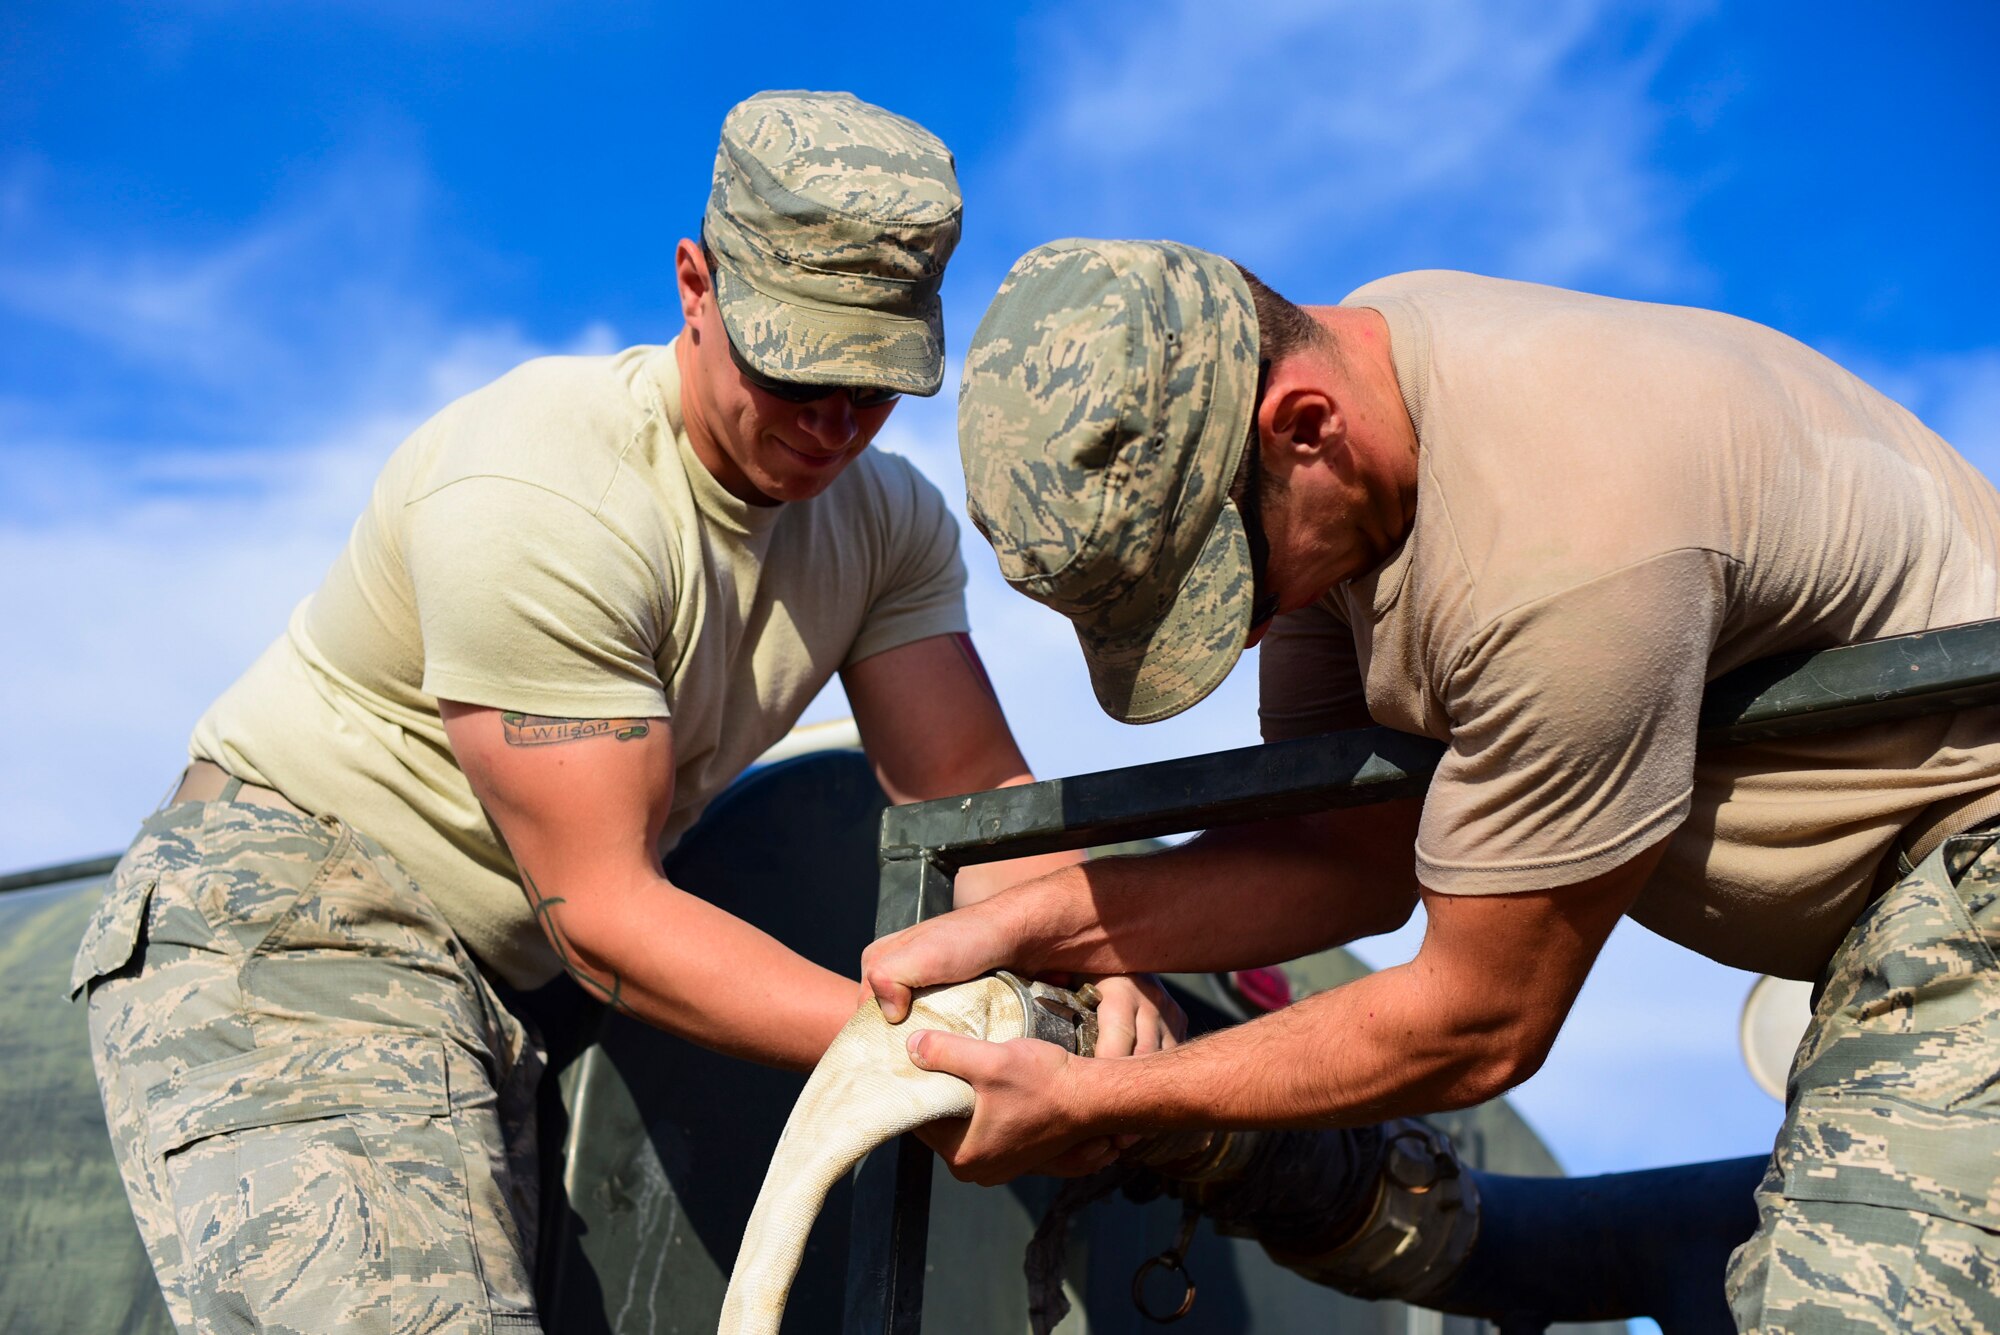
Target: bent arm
1474	1014
1471	1016
581	803
1235	898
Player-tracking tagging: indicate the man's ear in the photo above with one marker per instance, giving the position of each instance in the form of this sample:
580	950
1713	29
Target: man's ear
691	277
1298	419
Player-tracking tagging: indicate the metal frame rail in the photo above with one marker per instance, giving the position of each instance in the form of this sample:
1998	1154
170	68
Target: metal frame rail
924	844
57	874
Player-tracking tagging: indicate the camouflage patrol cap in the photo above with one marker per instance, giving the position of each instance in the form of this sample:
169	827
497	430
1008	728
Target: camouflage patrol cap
830	221
1106	402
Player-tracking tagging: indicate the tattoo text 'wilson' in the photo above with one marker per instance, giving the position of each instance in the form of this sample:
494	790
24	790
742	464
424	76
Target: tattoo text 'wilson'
541	730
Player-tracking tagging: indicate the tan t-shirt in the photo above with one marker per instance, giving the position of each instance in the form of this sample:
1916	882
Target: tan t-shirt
551	544
1618	502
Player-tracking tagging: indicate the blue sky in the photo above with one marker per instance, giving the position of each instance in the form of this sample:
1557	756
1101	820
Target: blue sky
244	248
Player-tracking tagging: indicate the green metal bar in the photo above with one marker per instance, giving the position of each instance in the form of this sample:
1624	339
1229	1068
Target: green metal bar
885	1265
1845	687
1878	681
1168	797
916	884
60	872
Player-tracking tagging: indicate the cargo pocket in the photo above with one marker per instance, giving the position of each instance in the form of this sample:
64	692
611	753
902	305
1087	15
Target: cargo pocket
320	1185
112	937
1877	1150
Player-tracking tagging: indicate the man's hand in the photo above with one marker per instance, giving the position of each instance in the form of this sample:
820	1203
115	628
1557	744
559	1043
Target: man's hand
1135	1015
1025	1116
963	944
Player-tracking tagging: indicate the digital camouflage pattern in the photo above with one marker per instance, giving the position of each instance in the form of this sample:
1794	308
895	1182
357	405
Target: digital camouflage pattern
1107	398
323	1115
831	221
1881	1208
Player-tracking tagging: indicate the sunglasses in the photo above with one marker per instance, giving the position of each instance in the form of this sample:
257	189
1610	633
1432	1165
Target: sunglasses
793	391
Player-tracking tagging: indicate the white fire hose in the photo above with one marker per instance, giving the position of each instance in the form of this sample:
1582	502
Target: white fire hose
1382	1211
865	1091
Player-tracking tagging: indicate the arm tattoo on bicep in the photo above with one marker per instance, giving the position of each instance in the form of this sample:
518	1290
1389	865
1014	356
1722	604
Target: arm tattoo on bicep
612	992
542	730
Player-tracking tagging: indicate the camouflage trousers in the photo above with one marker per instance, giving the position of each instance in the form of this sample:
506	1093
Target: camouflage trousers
1881	1208
323	1114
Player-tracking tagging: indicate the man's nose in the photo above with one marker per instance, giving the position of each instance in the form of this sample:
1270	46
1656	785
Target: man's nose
829	421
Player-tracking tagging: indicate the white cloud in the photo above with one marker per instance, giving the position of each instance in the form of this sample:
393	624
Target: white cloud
327	298
1457	132
134	591
147	556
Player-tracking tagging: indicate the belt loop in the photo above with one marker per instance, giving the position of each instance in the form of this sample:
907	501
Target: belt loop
230	790
167	798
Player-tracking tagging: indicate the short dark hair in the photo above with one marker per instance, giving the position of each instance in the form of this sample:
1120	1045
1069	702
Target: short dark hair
1282	328
1248	490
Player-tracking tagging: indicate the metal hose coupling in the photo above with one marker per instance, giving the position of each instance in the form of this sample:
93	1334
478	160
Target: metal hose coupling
1383	1211
1420	1223
1063	1016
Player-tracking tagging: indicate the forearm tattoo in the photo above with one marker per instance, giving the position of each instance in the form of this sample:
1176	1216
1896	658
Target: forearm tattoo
609	989
541	730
